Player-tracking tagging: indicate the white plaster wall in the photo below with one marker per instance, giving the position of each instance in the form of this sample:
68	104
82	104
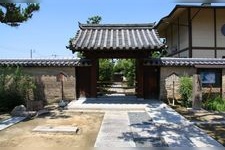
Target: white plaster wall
220	53
223	83
184	30
175	36
169	39
184	54
220	22
203	28
203	54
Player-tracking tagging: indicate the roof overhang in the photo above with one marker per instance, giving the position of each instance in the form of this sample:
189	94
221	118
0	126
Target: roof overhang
175	13
186	62
43	62
116	37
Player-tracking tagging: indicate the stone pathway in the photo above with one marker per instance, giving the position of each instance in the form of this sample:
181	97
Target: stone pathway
144	132
9	122
119	103
115	131
157	126
176	130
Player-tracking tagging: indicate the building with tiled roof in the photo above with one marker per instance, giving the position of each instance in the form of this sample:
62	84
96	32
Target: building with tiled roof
195	31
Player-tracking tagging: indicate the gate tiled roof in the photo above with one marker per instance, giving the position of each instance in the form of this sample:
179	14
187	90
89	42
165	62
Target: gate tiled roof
116	37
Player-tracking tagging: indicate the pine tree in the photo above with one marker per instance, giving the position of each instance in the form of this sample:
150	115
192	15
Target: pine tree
14	14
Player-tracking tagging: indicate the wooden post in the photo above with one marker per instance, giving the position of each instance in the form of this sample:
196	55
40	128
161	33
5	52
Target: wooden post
94	78
197	92
139	78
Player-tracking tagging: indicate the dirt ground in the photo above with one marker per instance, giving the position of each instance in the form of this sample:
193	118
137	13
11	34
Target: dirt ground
217	131
21	134
4	116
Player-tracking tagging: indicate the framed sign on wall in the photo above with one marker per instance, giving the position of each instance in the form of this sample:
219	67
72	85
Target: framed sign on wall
210	77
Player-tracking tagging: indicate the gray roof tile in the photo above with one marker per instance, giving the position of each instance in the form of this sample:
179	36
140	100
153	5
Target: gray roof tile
166	61
116	37
40	62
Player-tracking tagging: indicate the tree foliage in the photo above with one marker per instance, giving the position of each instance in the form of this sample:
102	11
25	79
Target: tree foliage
94	20
14	14
127	67
215	104
105	69
15	87
91	20
186	90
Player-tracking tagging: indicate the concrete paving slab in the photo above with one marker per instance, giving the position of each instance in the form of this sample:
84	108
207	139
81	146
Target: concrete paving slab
57	129
108	103
162	113
144	131
115	132
11	121
176	130
150	142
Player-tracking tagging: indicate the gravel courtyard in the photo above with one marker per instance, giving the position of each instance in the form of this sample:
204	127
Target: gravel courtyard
21	134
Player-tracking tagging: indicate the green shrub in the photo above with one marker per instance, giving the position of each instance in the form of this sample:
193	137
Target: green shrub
215	104
105	69
15	87
127	67
186	90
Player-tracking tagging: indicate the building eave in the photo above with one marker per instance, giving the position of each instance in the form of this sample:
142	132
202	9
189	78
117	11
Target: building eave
162	21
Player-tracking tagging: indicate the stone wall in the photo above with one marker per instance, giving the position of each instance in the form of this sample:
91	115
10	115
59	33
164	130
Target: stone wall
223	83
169	81
49	88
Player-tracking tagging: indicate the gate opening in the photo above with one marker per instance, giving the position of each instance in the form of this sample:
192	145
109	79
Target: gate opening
116	77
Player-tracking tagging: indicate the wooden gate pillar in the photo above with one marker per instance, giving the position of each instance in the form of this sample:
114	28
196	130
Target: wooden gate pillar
94	68
139	78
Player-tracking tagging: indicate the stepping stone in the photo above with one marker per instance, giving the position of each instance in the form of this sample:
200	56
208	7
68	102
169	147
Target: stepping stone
9	122
57	129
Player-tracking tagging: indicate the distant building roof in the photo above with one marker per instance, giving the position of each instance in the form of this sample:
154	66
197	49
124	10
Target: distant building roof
116	37
201	62
42	62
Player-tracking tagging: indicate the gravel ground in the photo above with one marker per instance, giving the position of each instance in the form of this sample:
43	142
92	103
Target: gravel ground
139	118
22	135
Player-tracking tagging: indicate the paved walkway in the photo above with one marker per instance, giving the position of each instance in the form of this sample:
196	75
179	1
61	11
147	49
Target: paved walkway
176	130
108	103
129	122
114	130
11	121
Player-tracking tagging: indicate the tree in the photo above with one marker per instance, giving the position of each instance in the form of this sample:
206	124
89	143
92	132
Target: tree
127	67
186	90
14	14
94	20
105	69
91	20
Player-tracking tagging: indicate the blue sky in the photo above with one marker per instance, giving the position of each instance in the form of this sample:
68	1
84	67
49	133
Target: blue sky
50	29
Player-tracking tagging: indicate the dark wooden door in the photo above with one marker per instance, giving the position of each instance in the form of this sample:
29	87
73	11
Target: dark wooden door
83	81
151	82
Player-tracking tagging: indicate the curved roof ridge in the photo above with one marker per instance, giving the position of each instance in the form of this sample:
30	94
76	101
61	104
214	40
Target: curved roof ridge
116	37
107	26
